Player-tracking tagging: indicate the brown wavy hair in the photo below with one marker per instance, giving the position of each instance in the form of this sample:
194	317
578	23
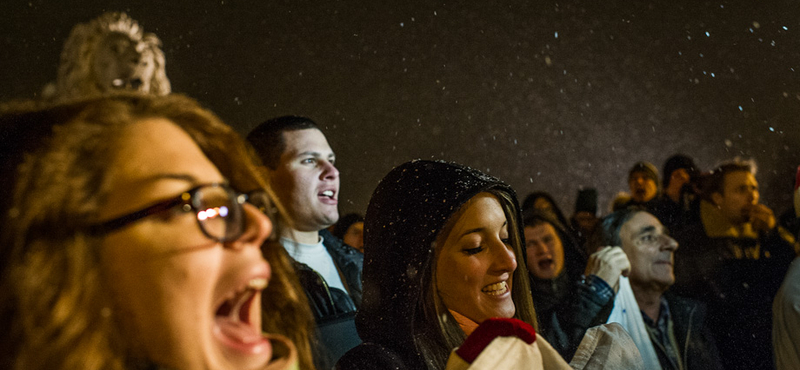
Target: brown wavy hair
55	312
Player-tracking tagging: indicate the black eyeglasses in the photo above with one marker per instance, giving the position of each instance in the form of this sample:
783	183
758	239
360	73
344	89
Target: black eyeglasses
218	207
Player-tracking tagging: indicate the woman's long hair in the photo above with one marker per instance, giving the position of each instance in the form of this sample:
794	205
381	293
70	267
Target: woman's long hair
436	332
56	312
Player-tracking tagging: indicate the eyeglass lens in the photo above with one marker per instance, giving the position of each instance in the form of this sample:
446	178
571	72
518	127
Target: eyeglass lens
219	211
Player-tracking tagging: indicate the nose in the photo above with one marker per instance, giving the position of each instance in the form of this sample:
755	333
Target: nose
503	258
668	243
754	195
257	228
541	248
329	171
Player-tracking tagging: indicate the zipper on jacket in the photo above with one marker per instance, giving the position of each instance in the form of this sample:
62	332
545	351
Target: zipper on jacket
688	335
327	290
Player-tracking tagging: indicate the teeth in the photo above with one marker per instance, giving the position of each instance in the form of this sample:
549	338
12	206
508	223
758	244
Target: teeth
496	288
328	193
257	283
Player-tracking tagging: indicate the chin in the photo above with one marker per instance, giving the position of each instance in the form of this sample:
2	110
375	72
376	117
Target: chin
508	312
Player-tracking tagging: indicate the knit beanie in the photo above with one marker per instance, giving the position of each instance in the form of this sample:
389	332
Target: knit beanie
586	201
676	162
647	168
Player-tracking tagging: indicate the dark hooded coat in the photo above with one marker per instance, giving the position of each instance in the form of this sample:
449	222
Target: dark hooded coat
405	214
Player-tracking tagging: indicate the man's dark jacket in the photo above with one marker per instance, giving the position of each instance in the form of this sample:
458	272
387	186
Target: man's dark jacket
736	277
696	345
324	300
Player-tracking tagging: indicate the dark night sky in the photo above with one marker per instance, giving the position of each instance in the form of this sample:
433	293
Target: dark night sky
545	95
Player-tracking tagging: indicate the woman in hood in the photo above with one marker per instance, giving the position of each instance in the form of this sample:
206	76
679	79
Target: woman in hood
443	252
133	237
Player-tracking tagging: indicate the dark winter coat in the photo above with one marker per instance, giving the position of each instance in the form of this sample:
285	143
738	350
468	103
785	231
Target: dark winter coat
737	278
695	343
566	308
405	214
333	308
676	215
325	301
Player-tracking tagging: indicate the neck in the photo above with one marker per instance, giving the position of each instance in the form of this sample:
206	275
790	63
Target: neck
303	237
649	300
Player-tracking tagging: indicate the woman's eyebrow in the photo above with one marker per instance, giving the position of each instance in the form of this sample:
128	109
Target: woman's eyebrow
475	230
175	176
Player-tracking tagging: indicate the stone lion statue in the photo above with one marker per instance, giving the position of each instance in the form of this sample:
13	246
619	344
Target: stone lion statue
106	54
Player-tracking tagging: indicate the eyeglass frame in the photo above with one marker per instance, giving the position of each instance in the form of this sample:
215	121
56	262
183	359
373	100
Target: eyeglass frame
183	199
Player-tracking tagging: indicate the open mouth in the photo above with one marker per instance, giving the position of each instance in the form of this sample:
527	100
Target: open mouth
328	196
546	263
496	288
236	317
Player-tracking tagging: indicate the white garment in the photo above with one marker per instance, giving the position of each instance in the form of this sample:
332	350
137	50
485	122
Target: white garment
626	312
605	347
316	257
786	320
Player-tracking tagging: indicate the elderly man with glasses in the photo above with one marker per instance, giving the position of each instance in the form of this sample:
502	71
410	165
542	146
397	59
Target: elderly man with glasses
675	325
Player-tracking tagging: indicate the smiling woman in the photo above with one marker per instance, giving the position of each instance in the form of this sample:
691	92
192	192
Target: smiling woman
134	237
441	247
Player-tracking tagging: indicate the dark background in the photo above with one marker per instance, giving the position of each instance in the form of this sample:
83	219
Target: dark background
547	95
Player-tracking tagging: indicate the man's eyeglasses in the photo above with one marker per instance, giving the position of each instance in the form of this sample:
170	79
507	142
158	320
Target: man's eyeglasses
218	207
650	238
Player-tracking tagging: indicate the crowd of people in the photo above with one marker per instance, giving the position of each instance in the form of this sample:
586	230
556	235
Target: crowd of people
141	232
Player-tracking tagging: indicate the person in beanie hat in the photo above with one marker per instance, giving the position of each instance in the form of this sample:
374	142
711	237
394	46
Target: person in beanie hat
584	220
644	186
679	170
675	205
643	182
586	201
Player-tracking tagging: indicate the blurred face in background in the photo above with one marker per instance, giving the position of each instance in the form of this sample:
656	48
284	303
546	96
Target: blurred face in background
354	236
543	204
739	195
585	221
643	188
544	251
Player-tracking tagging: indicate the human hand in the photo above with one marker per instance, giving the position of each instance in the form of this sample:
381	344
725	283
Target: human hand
608	264
761	217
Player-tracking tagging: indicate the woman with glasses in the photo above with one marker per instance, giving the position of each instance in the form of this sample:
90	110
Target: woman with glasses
133	237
